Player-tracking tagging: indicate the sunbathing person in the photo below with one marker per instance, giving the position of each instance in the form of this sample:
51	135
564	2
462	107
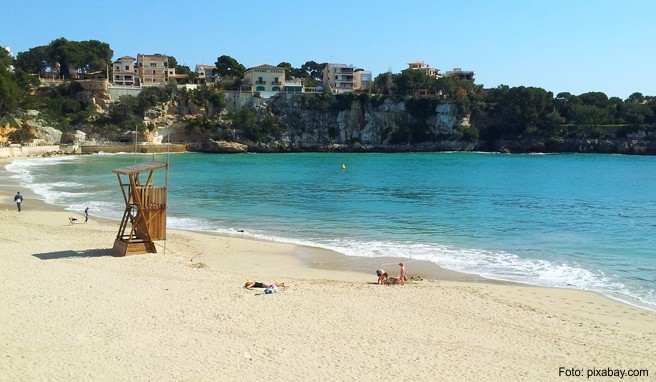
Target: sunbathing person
257	284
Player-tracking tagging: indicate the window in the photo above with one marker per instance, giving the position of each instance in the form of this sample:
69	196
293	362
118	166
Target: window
127	67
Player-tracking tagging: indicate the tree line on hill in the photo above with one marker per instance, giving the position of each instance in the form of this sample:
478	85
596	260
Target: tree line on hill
501	113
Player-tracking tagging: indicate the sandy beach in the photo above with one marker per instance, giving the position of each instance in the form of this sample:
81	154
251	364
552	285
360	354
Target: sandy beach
73	312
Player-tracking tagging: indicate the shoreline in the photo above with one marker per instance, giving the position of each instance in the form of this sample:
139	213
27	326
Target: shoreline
322	259
313	257
75	312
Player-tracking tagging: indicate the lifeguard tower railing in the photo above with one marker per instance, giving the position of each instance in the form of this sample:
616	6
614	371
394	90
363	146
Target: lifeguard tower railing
144	218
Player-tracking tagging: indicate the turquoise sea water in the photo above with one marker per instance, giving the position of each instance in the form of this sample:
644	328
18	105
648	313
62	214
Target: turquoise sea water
581	221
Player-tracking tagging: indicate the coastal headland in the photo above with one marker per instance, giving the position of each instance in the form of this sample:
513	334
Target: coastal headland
72	311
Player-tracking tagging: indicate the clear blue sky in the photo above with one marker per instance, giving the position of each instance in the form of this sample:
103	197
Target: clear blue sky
558	45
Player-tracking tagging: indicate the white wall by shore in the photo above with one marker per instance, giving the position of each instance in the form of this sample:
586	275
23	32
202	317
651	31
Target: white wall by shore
35	151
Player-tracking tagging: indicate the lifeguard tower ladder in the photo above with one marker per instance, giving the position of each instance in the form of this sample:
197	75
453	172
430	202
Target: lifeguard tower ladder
145	209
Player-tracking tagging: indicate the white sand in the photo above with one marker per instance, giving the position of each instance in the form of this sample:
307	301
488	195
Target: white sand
72	312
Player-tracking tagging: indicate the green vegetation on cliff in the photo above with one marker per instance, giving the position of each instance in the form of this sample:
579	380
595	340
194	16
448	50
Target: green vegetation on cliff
400	109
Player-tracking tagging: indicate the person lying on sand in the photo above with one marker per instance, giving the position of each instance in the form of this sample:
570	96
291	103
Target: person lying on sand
257	284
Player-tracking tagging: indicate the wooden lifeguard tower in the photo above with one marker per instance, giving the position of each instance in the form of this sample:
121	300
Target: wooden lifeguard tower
145	209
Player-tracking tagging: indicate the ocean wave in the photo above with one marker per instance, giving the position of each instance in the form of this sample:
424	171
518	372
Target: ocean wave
552	252
188	223
51	195
499	265
496	265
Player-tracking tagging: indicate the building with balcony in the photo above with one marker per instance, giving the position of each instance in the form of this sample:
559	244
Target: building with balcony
153	69
425	68
338	78
362	79
293	86
124	72
206	73
265	79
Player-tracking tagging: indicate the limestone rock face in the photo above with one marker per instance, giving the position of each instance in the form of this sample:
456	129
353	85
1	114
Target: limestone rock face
222	147
5	131
48	134
43	133
367	123
446	118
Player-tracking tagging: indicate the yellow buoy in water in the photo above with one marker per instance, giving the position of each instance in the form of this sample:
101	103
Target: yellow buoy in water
343	166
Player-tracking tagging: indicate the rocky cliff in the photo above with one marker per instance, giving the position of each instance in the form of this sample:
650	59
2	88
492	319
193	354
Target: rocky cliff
630	146
362	123
343	123
319	122
42	131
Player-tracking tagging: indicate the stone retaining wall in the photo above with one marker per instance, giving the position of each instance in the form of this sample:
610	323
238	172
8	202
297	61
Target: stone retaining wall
144	149
39	151
35	151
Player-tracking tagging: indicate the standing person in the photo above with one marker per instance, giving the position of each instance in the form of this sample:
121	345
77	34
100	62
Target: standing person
402	273
18	199
86	215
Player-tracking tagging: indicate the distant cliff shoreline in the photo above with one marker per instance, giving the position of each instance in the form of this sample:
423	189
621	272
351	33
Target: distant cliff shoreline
546	146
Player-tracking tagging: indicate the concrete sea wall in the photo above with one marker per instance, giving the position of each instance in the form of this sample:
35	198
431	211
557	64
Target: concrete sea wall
127	148
16	151
36	151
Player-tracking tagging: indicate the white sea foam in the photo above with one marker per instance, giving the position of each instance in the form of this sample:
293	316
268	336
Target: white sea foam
22	172
108	210
489	264
71	185
17	165
187	223
569	270
103	153
52	194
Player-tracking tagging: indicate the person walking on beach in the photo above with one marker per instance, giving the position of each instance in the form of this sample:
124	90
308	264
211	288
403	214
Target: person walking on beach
18	199
86	215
